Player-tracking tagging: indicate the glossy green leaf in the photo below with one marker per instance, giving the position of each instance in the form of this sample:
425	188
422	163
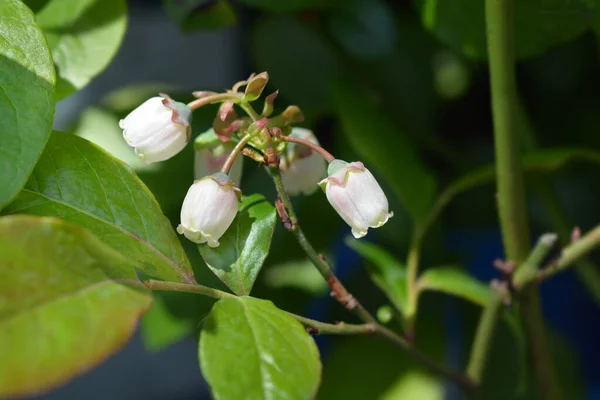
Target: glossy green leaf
193	15
288	48
67	302
249	349
84	36
76	181
244	246
539	24
454	281
26	102
385	270
378	141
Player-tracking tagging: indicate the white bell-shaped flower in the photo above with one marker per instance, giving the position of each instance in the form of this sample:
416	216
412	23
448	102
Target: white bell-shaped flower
301	167
208	209
209	160
356	196
158	129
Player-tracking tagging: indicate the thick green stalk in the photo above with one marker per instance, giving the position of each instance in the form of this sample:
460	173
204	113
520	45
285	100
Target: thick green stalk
511	197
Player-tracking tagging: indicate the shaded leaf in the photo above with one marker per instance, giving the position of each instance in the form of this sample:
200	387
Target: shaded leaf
287	49
386	271
201	14
375	138
76	181
289	5
296	274
364	28
84	36
539	24
249	349
454	281
543	160
244	246
160	328
67	301
26	89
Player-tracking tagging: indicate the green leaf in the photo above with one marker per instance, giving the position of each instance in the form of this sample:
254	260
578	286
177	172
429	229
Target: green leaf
160	328
67	302
386	271
365	28
296	274
26	90
193	15
249	349
244	246
539	24
454	281
84	36
375	138
543	160
76	181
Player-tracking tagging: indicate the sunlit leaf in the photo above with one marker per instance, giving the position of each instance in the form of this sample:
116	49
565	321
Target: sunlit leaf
76	181
84	36
26	96
249	349
454	281
67	302
244	246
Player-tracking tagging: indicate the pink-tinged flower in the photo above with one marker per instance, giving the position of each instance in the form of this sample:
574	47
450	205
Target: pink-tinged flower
209	160
356	196
208	209
158	129
301	167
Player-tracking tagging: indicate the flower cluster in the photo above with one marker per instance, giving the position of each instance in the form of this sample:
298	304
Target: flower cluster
160	128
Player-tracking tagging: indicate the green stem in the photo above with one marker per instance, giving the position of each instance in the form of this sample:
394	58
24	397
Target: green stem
527	272
326	155
341	328
247	107
234	153
483	337
216	98
412	271
511	196
572	253
185	287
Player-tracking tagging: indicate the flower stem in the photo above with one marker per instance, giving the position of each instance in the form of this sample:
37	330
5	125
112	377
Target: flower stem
511	196
234	153
326	155
216	98
340	293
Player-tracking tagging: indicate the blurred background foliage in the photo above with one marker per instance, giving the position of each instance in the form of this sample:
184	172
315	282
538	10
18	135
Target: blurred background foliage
403	87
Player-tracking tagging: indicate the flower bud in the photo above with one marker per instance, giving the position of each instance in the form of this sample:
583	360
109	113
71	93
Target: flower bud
158	129
208	209
209	160
301	167
356	196
255	86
